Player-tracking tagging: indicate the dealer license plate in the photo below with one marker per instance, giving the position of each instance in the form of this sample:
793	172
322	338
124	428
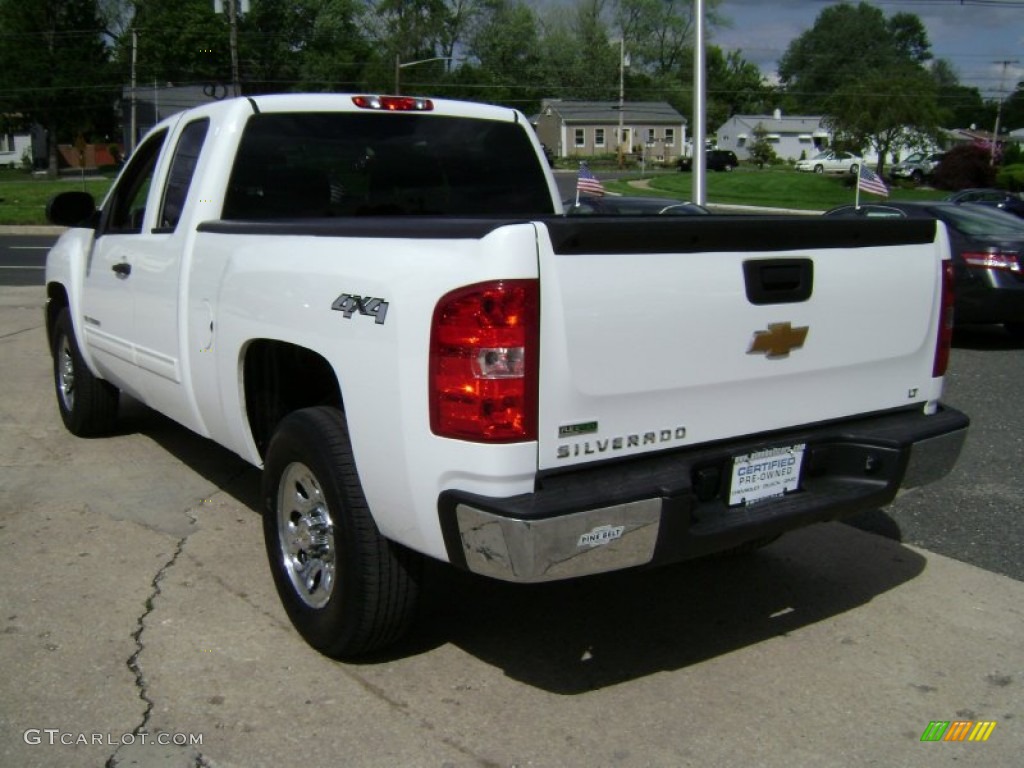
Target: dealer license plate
765	474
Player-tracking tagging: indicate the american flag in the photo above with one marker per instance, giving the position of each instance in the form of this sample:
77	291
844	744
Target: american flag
869	181
586	183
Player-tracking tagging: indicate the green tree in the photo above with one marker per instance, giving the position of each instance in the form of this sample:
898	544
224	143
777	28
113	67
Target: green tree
54	70
880	109
576	58
761	150
660	33
180	43
735	86
960	106
865	73
847	43
503	44
327	45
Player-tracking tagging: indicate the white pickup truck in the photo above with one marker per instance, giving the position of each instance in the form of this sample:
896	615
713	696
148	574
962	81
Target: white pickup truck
379	301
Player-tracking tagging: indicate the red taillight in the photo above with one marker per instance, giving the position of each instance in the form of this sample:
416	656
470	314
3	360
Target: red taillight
945	336
483	362
393	103
993	259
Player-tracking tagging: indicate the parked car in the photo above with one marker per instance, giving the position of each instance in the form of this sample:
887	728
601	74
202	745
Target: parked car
996	198
987	246
632	206
917	167
714	160
831	161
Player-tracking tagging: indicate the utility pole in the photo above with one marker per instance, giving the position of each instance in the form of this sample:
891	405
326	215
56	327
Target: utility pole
132	122
236	89
622	94
233	11
999	108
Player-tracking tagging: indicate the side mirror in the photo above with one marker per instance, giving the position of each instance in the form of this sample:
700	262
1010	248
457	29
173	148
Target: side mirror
72	209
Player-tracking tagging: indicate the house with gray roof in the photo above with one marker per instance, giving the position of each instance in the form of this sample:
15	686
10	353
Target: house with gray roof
653	130
792	137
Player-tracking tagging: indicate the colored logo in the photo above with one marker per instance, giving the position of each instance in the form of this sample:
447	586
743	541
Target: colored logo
778	341
958	730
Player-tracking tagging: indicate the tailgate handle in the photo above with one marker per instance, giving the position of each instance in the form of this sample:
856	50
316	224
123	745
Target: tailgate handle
778	281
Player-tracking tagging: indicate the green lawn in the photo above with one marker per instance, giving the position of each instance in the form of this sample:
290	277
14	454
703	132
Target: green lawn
23	197
773	188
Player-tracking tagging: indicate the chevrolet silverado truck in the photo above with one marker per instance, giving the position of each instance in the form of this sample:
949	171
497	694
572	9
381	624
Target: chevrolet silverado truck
379	301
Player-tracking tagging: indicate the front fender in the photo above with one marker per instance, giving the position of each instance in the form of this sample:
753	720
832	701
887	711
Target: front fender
66	265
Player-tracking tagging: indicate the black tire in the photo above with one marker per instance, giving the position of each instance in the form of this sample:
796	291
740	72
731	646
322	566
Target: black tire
917	177
819	169
88	405
347	590
854	169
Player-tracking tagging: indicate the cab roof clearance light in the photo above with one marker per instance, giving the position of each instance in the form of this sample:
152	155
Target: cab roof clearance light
393	103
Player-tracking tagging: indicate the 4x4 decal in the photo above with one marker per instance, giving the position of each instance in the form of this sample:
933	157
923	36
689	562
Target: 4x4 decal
348	304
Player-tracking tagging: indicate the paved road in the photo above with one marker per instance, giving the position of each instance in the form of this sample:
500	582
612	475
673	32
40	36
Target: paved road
136	600
23	258
976	515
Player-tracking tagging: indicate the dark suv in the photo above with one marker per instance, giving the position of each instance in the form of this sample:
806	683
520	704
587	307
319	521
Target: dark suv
714	160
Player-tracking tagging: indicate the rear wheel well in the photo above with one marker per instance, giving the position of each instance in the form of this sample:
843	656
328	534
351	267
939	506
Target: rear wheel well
280	378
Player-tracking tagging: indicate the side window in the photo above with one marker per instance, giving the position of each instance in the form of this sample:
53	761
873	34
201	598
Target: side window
127	205
179	178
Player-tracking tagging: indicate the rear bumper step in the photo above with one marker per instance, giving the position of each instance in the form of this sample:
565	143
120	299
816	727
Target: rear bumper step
673	506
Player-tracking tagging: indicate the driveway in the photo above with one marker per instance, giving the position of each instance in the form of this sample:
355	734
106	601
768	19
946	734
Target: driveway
137	606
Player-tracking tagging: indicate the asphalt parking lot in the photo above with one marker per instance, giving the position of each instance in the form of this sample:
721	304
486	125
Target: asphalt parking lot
140	627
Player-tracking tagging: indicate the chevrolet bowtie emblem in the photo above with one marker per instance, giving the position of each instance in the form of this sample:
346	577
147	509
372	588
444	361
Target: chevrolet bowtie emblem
778	341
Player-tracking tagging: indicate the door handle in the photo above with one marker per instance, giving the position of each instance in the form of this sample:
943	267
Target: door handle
123	269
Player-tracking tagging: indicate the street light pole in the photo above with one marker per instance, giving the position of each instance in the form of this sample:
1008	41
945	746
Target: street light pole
399	66
699	107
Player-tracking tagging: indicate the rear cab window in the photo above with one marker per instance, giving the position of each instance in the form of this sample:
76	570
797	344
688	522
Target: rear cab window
354	164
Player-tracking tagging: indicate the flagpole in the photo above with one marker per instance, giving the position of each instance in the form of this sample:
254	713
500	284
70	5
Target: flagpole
578	186
856	196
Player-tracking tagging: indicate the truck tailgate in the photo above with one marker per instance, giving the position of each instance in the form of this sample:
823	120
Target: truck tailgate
661	333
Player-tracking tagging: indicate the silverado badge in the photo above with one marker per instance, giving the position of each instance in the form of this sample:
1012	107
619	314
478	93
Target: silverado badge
778	341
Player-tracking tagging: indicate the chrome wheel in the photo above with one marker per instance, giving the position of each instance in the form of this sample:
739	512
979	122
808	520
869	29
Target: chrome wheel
306	532
66	373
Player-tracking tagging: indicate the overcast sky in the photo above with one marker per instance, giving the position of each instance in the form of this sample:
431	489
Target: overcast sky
975	35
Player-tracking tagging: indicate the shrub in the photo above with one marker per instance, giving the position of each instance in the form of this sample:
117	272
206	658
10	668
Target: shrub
1011	177
967	165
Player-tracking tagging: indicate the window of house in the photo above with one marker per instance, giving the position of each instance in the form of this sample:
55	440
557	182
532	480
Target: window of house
599	137
670	137
650	135
581	137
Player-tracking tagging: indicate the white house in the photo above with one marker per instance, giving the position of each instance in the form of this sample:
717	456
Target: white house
791	137
14	148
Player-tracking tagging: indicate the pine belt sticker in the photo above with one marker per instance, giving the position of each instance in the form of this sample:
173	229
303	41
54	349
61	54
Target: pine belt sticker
604	534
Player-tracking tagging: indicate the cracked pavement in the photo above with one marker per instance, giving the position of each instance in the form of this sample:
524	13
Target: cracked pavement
136	601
